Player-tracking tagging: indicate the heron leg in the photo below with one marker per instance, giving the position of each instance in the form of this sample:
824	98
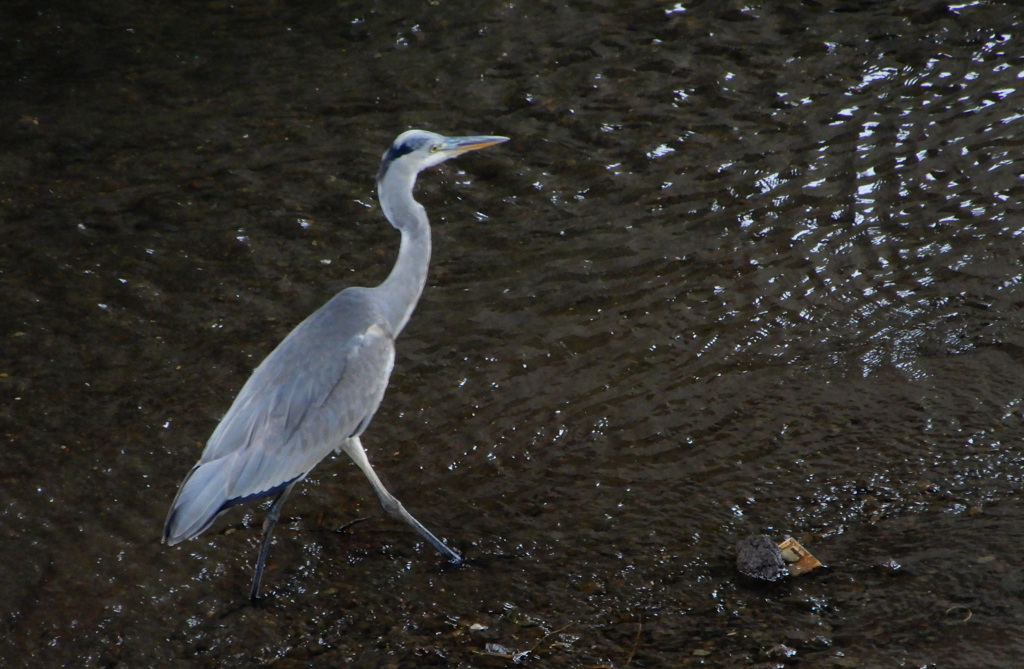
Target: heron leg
268	527
354	448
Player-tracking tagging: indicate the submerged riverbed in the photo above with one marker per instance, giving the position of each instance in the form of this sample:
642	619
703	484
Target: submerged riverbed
741	270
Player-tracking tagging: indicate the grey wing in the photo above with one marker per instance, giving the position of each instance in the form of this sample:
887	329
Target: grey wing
320	386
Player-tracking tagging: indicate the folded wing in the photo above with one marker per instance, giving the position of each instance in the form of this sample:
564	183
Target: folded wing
320	386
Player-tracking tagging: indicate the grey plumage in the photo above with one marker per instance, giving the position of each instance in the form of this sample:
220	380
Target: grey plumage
319	389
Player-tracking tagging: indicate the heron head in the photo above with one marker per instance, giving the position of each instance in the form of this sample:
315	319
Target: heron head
416	150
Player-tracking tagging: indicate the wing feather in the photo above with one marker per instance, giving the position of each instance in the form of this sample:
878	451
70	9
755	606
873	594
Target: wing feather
320	386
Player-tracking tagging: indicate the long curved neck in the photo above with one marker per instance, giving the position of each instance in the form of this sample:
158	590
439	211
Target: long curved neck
401	290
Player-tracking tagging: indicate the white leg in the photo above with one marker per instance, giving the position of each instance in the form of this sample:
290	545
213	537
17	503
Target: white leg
354	449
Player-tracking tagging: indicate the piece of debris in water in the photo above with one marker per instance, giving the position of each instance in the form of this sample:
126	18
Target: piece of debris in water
760	558
798	559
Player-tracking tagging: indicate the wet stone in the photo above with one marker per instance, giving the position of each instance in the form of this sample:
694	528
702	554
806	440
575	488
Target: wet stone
759	558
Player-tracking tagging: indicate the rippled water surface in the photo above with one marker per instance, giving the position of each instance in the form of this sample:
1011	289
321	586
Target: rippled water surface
742	269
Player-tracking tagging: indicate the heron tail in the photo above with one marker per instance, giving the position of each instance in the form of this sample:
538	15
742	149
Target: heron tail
205	494
200	499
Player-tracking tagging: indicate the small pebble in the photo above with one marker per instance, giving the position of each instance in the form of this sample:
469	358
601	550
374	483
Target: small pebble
758	557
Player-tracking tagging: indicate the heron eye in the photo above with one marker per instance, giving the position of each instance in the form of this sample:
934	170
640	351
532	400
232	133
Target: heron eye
435	148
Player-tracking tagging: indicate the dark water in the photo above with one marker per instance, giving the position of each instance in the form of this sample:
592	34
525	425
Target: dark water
744	268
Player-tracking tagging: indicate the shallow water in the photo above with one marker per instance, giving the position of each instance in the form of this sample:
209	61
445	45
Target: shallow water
741	270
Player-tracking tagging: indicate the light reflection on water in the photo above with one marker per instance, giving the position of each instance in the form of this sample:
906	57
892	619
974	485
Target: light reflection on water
729	277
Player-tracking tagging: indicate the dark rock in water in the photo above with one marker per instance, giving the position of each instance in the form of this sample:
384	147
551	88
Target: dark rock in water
758	557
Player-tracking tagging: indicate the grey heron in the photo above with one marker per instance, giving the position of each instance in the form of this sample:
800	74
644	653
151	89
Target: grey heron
318	390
